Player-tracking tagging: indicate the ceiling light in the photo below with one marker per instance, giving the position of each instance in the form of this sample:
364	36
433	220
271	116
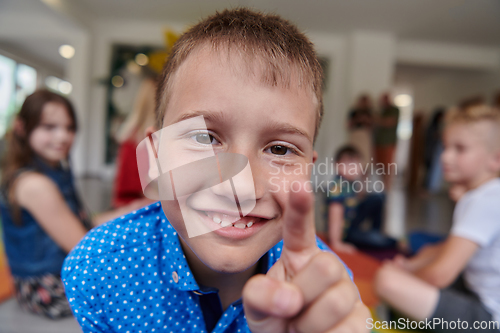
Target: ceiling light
66	51
65	87
117	81
403	100
141	59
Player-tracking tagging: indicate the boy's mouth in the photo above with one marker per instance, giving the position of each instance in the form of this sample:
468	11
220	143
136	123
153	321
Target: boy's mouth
225	220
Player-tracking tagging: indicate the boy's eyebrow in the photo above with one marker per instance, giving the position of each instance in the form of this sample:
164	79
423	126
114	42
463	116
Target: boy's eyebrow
208	115
287	128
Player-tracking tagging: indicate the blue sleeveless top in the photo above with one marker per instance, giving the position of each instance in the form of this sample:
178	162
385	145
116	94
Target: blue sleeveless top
30	251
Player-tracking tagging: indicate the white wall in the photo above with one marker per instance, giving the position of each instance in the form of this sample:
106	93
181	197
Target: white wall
431	86
371	63
443	73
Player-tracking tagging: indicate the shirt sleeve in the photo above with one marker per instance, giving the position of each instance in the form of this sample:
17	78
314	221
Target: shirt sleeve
89	318
478	221
86	307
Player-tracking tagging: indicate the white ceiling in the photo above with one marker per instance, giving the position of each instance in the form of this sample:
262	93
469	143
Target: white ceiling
461	21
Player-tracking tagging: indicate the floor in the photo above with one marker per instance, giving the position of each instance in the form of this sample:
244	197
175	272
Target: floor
404	213
15	320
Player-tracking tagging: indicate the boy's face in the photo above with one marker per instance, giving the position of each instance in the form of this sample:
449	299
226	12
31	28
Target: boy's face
272	126
468	154
349	167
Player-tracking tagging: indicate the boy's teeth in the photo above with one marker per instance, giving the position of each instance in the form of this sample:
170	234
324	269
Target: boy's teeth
228	220
225	224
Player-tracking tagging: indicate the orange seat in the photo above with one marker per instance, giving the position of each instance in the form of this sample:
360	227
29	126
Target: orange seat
6	282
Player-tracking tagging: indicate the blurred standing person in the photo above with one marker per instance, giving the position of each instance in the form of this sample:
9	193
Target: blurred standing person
470	101
432	151
496	100
386	136
360	125
127	185
42	215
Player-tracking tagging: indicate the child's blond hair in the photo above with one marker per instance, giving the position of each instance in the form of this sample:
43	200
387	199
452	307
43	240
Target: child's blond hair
278	46
478	113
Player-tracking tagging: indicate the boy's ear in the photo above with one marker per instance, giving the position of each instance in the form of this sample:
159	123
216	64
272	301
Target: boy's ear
315	156
150	130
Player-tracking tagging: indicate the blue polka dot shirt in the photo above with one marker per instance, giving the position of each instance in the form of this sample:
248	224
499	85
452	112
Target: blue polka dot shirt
130	275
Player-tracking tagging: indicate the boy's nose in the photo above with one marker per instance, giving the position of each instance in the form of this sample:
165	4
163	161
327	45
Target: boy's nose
239	189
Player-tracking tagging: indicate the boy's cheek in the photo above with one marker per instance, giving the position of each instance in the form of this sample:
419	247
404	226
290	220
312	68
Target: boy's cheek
173	213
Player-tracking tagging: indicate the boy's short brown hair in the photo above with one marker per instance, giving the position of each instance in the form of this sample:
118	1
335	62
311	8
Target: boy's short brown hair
475	114
347	151
279	47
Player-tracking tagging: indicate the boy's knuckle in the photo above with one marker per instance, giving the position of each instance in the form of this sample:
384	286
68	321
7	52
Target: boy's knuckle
327	266
341	299
334	302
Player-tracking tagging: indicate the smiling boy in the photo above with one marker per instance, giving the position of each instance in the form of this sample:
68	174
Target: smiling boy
256	81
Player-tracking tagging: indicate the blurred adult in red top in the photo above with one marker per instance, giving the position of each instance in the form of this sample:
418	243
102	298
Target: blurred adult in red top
127	183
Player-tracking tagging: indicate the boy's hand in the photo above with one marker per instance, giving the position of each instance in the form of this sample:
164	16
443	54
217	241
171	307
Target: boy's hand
307	290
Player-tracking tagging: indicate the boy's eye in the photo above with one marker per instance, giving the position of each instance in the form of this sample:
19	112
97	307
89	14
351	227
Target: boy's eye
205	138
279	150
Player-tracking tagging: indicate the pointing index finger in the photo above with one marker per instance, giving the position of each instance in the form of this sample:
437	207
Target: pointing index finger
299	234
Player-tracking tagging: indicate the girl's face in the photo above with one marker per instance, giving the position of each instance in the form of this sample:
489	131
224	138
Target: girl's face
53	137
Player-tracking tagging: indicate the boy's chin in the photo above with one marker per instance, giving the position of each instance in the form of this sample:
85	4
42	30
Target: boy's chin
228	264
225	260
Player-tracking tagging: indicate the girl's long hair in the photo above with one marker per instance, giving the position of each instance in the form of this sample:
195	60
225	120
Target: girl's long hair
19	154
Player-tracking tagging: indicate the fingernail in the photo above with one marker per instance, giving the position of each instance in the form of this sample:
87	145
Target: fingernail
283	297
